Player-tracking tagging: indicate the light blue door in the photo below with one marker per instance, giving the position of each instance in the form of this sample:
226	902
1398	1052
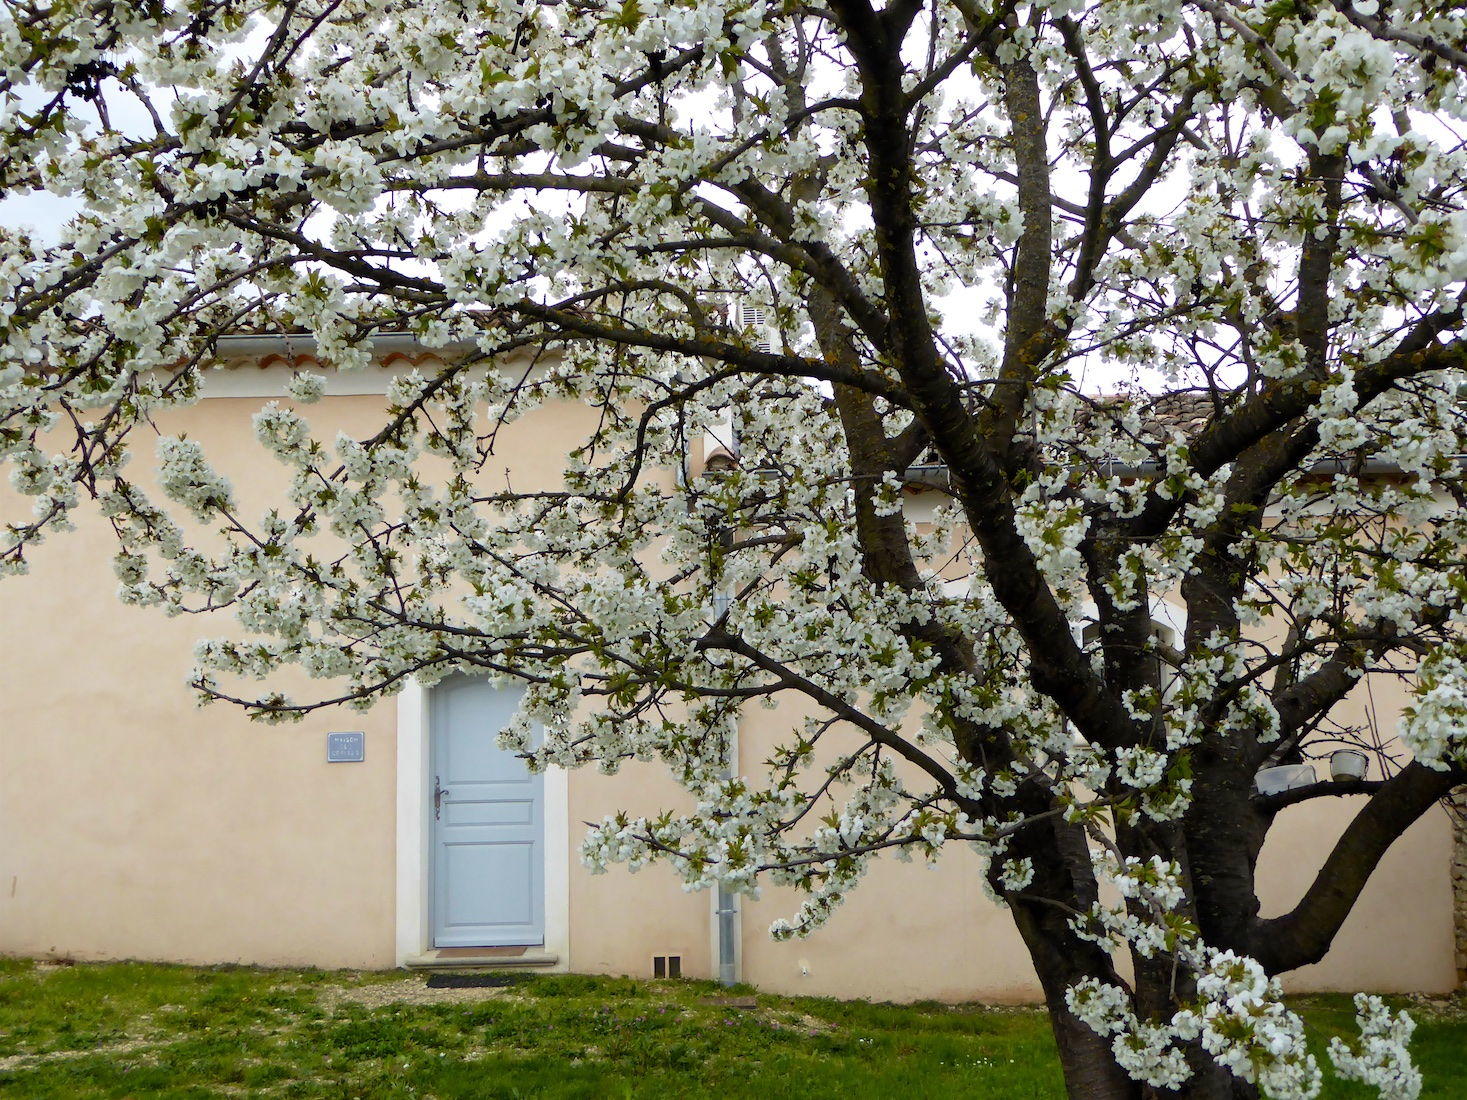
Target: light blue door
488	823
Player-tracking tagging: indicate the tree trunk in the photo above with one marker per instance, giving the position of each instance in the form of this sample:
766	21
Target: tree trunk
1042	913
1211	1082
1091	1073
1090	1070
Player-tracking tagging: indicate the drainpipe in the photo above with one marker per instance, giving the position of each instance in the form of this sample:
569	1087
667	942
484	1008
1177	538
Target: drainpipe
726	923
721	444
726	933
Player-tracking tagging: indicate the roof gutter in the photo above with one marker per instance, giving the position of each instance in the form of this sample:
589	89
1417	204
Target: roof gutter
244	345
936	474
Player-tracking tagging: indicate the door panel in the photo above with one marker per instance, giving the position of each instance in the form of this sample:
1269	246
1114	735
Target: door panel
488	826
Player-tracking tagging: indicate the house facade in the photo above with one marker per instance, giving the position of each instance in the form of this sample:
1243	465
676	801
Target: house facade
135	825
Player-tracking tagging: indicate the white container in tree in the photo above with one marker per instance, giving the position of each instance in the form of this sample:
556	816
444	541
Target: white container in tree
1347	765
1285	777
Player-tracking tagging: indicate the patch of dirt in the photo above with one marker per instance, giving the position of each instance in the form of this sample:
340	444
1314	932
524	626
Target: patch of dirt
1428	1004
126	1046
46	966
410	991
814	1025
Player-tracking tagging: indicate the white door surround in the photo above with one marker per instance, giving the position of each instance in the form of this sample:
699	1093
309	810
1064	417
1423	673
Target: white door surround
414	839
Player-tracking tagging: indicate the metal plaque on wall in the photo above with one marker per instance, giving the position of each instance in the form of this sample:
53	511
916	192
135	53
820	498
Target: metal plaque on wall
346	748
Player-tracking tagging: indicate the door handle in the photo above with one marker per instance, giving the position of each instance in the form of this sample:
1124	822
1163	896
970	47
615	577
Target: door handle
438	792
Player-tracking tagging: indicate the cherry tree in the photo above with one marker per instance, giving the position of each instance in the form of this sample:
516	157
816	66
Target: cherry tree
959	222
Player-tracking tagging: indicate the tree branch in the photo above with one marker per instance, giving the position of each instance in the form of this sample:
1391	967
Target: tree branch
1303	935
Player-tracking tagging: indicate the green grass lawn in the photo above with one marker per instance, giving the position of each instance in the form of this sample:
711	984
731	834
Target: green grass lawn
134	1029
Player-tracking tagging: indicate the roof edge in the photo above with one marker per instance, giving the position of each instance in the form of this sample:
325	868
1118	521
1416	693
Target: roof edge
244	345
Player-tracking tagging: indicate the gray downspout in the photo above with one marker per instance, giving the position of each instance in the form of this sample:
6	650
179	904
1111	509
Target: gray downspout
726	907
727	916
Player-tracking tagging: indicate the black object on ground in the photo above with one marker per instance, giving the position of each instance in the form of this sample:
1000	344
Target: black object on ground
490	979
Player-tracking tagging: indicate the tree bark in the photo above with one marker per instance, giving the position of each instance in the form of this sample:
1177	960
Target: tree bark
1059	956
1064	883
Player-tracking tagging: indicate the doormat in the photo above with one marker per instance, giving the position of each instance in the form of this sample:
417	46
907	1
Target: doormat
492	979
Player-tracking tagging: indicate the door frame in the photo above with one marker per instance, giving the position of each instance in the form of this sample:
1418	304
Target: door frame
414	931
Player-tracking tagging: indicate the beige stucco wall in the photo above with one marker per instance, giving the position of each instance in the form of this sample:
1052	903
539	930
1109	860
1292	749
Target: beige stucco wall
1398	938
915	931
134	825
619	920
